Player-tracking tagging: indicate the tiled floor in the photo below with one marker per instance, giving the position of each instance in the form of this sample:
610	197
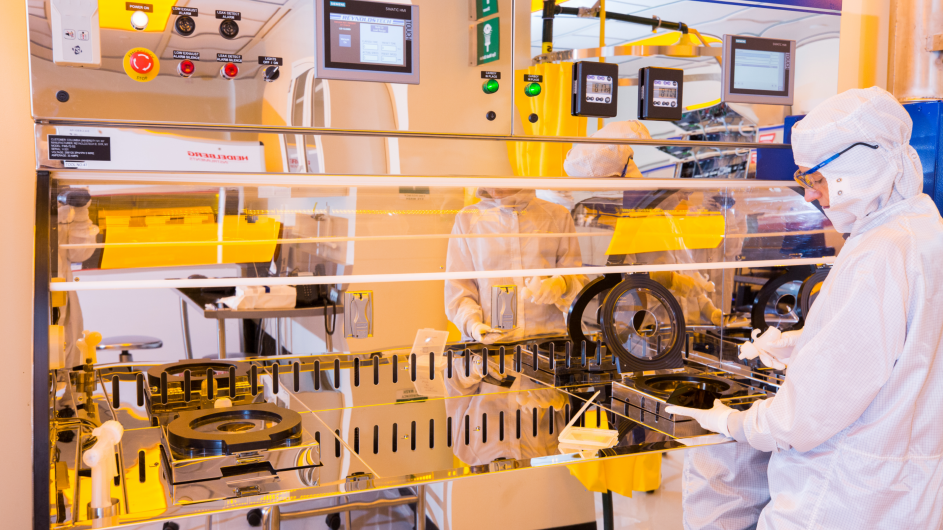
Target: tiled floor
648	511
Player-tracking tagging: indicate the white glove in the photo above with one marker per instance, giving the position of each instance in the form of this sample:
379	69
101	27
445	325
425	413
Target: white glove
774	348
546	291
713	419
703	282
708	309
485	334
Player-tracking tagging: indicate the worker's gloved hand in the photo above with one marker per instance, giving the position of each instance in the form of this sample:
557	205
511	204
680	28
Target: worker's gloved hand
485	334
709	310
774	348
546	291
713	419
703	282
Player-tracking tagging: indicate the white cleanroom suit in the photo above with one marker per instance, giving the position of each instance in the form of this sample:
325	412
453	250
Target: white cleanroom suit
854	430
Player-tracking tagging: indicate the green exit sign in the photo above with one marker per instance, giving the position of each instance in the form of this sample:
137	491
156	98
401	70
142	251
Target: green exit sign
485	8
489	40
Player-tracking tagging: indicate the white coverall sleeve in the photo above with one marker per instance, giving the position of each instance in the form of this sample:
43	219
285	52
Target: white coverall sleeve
462	300
81	231
837	371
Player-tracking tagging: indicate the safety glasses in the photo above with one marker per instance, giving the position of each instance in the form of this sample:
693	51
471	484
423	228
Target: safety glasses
803	177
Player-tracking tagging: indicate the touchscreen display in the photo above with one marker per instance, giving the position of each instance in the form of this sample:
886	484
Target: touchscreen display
759	70
359	39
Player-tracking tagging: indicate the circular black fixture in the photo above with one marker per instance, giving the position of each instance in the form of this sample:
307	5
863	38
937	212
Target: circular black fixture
62	96
185	25
810	290
532	118
777	303
254	517
224	431
574	319
643	325
270	73
491	115
228	29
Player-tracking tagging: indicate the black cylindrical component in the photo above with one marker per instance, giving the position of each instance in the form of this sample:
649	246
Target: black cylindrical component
163	388
412	367
550	417
501	368
115	393
448	431
376	371
317	375
448	355
547	32
412	436
395	368
484	427
254	380
337	443
357	440
186	385
467	428
337	373
376	439
142	467
211	384
276	385
651	22
517	423
296	377
254	517
431	433
395	440
536	358
517	358
467	362
232	382
140	382
484	361
534	421
431	366
356	372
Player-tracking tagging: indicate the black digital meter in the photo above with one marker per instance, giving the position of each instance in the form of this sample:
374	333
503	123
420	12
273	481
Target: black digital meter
595	88
659	93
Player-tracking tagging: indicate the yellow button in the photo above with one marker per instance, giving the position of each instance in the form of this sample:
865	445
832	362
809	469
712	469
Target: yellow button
141	64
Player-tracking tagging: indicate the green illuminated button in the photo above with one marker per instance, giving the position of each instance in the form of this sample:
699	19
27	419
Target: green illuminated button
532	89
490	86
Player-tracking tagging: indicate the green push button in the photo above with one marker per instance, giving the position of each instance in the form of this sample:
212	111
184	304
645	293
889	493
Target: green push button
532	89
490	86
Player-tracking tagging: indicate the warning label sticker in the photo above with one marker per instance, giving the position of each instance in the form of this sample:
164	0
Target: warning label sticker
79	148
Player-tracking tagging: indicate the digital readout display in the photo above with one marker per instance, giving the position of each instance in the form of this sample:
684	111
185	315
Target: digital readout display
598	89
665	93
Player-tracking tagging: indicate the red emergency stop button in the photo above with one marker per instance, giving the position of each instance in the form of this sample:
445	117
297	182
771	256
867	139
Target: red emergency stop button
229	70
186	68
141	64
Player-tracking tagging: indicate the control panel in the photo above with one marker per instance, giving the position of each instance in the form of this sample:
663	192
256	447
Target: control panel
757	70
76	38
659	93
595	89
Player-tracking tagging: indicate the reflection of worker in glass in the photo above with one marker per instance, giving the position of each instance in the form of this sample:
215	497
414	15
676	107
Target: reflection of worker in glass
75	228
489	396
502	220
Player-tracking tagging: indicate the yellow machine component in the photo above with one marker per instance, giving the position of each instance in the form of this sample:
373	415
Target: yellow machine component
704	105
659	230
58	299
620	475
552	108
158	243
538	5
114	14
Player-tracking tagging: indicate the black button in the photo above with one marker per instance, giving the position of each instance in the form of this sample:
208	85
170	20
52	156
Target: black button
532	118
491	115
270	73
62	96
254	517
185	25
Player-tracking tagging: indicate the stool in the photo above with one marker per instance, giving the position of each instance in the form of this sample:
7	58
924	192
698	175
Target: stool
127	343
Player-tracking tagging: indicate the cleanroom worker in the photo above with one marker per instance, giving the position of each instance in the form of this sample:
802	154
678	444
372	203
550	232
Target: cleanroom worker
511	214
854	430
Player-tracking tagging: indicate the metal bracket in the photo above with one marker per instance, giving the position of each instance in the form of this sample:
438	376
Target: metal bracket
504	306
935	43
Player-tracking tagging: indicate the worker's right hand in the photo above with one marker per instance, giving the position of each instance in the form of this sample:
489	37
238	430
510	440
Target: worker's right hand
774	348
485	334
